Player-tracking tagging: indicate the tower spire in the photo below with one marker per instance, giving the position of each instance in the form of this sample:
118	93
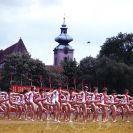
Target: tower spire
64	19
63	38
63	51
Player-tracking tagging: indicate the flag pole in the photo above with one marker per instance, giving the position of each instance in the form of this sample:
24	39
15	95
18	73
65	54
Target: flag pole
75	87
50	82
11	79
41	80
67	84
82	84
31	81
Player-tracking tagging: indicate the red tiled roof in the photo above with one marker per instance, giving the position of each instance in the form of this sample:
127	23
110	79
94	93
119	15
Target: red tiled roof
18	47
58	69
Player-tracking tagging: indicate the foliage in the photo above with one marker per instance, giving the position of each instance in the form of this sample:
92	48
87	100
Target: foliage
21	69
114	75
87	71
70	70
119	48
56	78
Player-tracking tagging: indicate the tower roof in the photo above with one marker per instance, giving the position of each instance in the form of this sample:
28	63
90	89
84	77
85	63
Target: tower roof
63	38
63	47
18	47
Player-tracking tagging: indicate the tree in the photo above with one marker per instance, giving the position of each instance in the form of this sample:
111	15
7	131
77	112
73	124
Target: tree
70	70
87	70
114	75
56	78
119	48
21	69
37	72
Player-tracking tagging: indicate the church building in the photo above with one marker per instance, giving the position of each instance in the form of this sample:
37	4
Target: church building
18	47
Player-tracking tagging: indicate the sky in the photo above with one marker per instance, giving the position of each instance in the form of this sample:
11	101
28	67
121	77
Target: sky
38	22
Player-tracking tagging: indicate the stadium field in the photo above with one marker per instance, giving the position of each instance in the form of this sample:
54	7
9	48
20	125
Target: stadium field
21	126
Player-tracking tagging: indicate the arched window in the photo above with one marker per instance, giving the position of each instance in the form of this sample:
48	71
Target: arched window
65	58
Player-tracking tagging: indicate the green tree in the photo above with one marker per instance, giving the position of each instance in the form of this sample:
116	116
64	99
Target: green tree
114	75
87	70
119	48
56	77
70	70
23	70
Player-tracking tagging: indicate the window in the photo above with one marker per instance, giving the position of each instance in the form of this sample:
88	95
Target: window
65	50
65	58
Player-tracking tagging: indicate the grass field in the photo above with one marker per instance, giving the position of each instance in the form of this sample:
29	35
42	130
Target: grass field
15	126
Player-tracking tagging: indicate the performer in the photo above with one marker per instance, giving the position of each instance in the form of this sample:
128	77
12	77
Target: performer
83	103
38	98
113	103
66	105
104	104
56	104
30	102
94	103
126	103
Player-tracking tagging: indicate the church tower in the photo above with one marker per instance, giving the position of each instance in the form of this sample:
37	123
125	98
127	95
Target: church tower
63	51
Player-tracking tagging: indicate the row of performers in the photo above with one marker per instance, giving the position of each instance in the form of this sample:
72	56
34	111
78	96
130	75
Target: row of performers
69	105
